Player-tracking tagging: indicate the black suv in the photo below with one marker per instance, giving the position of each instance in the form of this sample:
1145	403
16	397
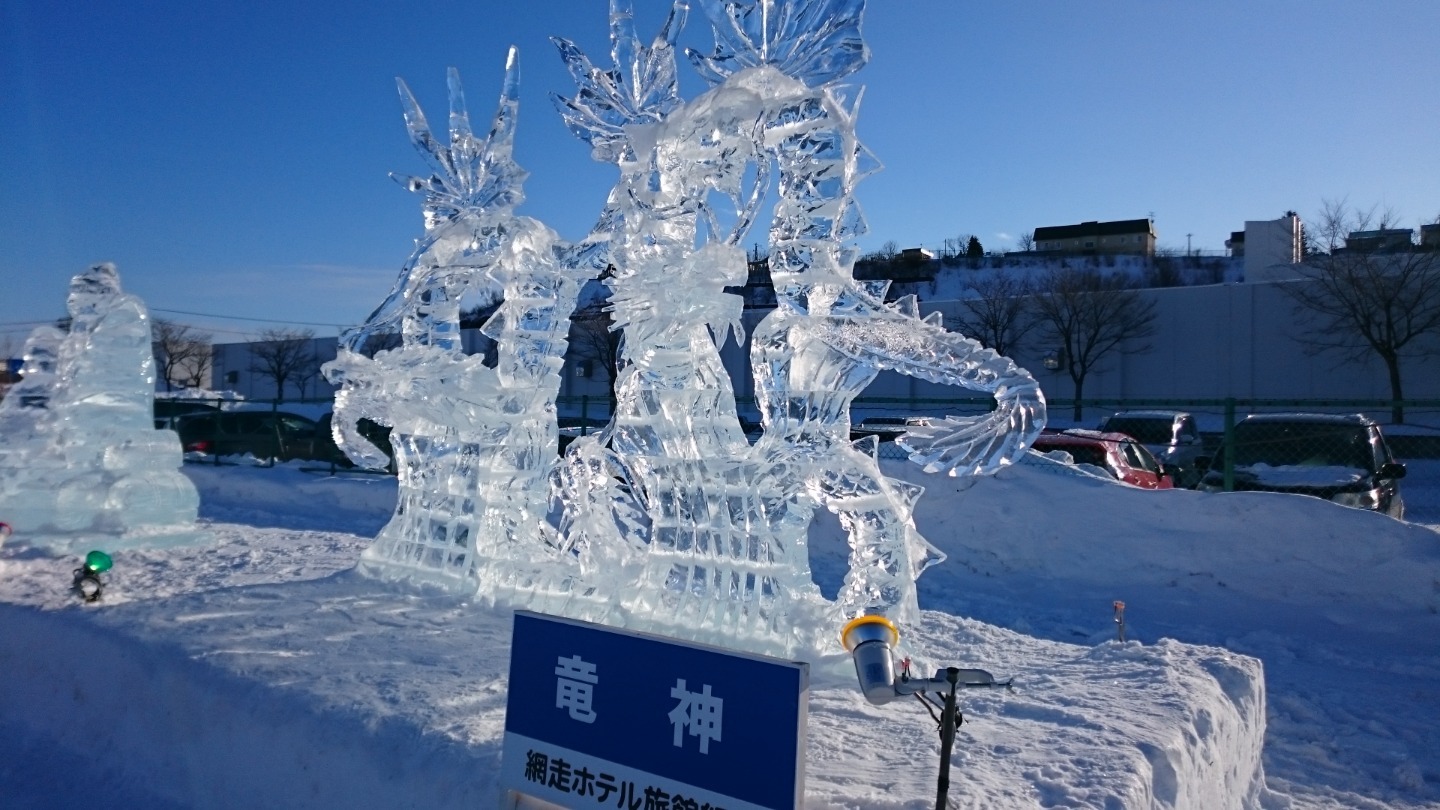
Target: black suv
1340	458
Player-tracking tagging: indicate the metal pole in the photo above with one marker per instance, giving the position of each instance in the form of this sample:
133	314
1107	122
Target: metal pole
947	739
1229	468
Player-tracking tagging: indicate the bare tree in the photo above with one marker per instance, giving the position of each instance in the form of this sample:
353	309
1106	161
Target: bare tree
1089	317
183	354
1377	299
1000	313
593	341
8	377
283	355
380	342
1027	241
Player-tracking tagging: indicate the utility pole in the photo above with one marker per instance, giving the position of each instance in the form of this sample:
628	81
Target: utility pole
1188	252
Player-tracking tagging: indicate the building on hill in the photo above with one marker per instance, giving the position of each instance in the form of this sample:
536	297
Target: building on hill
1270	248
1135	236
1385	240
911	265
1430	236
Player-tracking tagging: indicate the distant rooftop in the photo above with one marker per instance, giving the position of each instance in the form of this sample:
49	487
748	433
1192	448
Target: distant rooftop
1094	228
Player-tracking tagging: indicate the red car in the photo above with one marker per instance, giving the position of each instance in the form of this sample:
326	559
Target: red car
1115	453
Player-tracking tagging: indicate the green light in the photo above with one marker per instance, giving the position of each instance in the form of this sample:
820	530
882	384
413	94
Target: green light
98	561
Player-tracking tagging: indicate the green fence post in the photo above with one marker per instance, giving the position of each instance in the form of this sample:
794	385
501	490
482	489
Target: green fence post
1228	444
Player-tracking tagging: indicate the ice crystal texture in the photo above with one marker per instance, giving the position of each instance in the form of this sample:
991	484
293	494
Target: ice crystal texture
474	443
670	520
81	455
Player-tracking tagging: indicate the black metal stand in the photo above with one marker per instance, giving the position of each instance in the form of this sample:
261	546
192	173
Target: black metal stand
948	714
87	585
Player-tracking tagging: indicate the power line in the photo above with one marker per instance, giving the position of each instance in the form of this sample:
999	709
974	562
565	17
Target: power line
196	314
240	318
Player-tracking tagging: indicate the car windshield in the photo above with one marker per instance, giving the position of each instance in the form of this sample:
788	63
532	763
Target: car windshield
1145	431
1140	458
1081	453
1300	444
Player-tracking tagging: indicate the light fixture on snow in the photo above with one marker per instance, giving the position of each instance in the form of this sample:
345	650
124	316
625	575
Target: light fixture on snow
87	577
870	639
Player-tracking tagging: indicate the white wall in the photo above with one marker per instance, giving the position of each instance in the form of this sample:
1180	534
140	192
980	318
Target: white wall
1211	342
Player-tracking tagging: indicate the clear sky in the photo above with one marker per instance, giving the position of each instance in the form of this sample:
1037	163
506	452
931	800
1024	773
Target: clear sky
231	156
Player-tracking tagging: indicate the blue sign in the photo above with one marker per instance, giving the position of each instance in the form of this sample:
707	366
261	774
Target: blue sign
599	717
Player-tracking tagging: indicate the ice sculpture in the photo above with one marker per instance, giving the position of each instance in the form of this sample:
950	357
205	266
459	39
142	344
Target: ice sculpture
474	444
671	520
28	400
723	535
86	458
704	529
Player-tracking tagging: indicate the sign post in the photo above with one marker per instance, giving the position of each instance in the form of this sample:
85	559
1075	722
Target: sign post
600	717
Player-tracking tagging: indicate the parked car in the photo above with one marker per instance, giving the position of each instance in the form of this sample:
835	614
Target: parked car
168	411
263	434
1339	458
888	428
1115	453
1171	436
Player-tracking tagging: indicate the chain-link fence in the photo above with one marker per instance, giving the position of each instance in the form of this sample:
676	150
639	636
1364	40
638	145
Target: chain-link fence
1232	439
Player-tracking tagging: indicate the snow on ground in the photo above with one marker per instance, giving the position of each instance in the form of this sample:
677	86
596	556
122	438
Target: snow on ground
260	665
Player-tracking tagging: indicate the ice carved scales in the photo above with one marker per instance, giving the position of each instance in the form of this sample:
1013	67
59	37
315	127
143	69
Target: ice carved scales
82	462
670	519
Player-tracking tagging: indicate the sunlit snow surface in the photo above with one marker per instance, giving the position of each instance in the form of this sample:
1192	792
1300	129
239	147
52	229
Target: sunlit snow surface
670	519
264	653
81	454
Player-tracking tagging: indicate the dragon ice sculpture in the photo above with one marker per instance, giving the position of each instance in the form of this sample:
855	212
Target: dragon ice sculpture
473	442
670	519
722	541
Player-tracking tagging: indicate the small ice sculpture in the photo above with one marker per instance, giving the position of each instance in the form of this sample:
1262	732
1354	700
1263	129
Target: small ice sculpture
86	458
474	443
671	520
29	400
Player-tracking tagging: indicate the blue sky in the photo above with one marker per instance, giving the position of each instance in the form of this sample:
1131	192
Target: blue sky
231	157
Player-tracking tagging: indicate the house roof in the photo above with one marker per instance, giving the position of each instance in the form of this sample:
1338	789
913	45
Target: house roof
1116	228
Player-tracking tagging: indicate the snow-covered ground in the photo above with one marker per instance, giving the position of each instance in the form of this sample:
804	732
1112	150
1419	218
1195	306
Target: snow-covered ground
260	665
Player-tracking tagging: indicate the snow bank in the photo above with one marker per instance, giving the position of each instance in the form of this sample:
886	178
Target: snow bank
264	674
267	629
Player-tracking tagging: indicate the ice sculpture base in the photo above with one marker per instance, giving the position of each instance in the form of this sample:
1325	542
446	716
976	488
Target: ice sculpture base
345	692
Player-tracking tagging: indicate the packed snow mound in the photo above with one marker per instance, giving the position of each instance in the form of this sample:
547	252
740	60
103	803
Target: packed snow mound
268	654
1032	521
302	668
